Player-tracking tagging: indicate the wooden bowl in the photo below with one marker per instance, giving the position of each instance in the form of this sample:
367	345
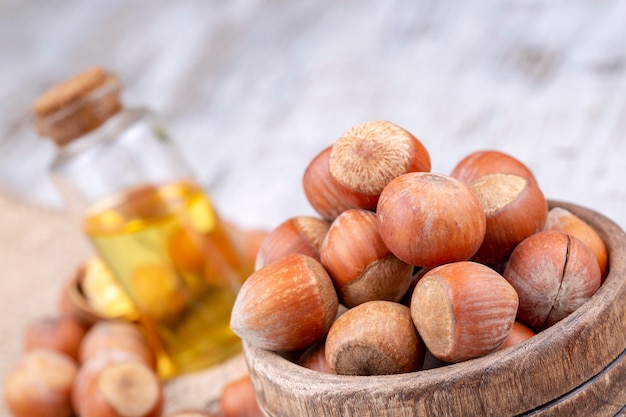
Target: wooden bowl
575	368
74	302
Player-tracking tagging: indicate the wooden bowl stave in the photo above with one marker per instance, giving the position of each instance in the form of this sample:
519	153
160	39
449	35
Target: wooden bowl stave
575	367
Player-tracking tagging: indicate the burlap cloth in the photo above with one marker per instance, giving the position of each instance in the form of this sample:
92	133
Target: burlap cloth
39	250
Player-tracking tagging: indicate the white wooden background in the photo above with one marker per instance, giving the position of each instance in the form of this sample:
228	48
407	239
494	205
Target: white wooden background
252	89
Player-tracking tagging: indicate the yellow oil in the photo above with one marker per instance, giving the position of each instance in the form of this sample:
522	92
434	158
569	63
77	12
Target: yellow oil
170	253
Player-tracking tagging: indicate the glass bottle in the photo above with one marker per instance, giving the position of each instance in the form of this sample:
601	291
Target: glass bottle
147	218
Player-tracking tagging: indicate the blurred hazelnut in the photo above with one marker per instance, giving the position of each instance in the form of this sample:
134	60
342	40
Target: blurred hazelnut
117	386
114	336
40	384
239	399
61	333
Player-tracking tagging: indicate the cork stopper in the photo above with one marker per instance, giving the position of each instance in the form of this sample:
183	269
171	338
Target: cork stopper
77	105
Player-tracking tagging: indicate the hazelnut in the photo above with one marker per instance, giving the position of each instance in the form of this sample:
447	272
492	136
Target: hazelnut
107	336
117	386
565	221
554	274
302	234
239	399
515	208
61	333
369	155
322	191
314	357
481	163
286	305
430	219
374	338
463	310
40	384
359	263
519	333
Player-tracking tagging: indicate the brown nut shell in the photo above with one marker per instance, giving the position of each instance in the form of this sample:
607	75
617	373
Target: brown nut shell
485	162
428	219
314	357
286	305
61	333
109	336
301	234
554	274
369	155
40	384
519	333
327	197
117	385
360	264
463	310
515	208
239	399
565	221
374	338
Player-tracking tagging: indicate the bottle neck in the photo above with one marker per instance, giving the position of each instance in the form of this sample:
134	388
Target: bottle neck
130	149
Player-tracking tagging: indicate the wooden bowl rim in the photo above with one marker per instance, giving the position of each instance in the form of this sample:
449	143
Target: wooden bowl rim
80	306
519	368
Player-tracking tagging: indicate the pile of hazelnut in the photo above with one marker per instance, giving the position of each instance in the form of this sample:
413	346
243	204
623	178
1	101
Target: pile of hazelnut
75	364
403	263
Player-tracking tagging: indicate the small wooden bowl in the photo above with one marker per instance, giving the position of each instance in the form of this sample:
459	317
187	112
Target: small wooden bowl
574	368
74	302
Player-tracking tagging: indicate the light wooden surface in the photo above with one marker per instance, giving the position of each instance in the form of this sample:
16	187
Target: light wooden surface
252	89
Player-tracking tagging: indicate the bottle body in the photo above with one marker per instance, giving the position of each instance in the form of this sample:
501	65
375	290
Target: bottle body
158	233
166	247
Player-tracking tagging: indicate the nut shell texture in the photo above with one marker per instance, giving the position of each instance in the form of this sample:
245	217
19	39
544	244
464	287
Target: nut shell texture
359	263
481	163
515	208
369	155
554	274
286	305
327	197
463	310
428	219
302	234
374	338
565	221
